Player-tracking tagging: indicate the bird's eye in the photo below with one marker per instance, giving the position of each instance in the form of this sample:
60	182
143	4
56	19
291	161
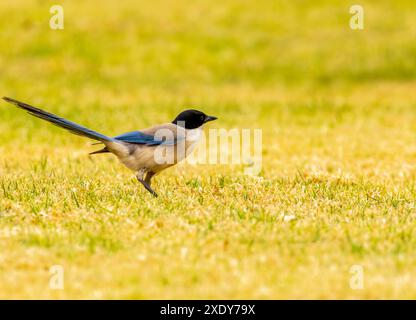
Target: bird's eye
202	117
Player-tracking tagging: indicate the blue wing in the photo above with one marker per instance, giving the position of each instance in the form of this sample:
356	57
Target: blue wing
138	137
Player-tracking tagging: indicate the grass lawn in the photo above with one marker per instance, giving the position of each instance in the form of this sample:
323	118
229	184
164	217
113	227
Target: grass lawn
337	188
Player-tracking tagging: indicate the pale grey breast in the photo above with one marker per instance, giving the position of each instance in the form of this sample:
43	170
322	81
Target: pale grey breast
179	143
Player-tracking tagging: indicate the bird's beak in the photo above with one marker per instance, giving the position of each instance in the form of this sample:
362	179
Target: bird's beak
210	118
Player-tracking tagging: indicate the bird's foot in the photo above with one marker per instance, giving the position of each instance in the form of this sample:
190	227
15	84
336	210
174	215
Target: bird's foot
148	188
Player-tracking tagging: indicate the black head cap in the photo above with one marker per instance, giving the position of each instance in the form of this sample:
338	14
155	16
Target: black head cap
192	119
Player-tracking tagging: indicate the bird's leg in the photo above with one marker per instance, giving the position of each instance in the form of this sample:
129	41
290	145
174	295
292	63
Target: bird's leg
149	176
145	182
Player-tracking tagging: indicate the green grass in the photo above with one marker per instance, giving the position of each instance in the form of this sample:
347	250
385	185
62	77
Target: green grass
338	114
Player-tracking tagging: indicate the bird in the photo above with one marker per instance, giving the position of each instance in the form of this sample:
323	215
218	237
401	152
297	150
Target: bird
147	152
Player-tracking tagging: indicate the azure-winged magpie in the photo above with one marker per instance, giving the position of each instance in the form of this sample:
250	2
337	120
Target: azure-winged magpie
147	152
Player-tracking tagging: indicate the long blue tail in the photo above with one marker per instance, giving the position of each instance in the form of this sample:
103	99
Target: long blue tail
58	121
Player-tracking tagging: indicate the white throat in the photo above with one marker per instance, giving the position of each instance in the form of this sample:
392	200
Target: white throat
193	135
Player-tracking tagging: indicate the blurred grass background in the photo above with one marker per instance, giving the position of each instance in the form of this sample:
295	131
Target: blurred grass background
337	109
